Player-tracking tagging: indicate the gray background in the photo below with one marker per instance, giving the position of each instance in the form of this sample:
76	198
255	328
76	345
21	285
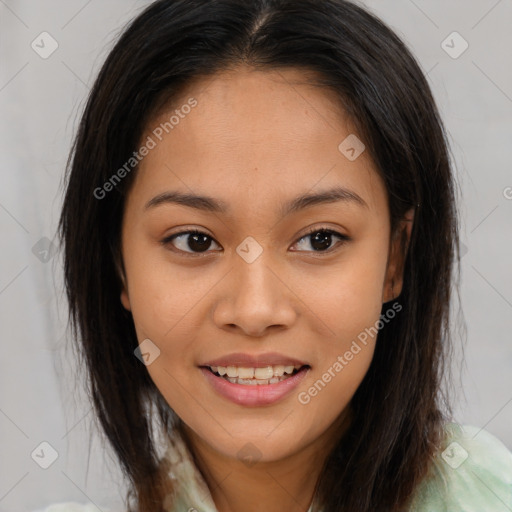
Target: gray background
40	100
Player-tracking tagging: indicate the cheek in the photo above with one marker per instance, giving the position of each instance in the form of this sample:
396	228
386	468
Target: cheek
348	301
162	294
346	298
165	303
334	384
350	304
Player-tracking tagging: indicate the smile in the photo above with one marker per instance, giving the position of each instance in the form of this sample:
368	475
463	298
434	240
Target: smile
255	376
254	391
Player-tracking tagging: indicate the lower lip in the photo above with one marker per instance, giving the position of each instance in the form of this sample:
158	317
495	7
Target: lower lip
254	395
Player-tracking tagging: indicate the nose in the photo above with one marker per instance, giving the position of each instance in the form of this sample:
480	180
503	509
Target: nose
255	298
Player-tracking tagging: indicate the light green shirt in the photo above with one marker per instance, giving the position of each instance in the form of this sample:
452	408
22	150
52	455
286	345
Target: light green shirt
473	473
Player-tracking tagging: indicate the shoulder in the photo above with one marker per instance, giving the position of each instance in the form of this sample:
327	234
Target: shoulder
71	506
471	473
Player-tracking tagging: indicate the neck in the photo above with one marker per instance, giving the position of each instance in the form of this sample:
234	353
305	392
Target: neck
271	486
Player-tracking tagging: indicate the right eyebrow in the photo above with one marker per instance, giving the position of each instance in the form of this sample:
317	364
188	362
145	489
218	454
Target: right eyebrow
191	200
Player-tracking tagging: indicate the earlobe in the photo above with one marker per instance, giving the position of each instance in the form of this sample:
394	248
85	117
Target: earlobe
125	300
397	256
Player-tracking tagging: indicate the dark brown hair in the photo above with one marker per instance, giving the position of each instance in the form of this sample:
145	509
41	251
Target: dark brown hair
400	407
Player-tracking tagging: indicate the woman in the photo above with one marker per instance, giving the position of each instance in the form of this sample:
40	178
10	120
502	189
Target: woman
259	235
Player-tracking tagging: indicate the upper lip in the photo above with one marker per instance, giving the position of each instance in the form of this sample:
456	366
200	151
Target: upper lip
255	361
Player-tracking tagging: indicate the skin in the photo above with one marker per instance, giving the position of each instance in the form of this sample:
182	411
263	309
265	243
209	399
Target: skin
256	140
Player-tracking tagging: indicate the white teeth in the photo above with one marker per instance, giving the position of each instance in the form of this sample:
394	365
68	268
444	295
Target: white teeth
255	382
278	370
263	373
250	382
255	376
247	373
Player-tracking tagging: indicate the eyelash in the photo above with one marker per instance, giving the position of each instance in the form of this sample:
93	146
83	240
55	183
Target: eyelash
344	238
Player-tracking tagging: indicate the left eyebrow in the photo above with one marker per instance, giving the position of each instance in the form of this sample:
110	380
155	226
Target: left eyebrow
327	196
301	202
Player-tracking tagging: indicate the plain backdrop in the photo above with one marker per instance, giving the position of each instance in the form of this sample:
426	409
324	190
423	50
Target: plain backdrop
40	100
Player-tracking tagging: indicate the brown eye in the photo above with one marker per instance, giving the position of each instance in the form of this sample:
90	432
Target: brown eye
196	242
321	240
193	241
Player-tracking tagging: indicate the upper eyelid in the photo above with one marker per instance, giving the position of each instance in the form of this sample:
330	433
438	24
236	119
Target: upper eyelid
199	232
310	232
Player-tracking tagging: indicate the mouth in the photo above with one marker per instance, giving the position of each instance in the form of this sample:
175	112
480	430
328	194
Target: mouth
261	376
267	386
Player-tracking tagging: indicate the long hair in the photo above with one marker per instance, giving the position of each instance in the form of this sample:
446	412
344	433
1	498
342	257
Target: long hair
400	407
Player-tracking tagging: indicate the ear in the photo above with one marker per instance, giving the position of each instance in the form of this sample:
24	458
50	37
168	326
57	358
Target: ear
396	257
125	299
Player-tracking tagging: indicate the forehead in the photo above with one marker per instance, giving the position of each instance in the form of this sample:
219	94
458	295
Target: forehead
251	132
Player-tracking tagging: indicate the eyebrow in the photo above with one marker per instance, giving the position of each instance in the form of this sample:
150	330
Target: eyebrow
209	204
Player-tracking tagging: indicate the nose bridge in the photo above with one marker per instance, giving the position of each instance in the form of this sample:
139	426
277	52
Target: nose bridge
254	282
253	276
254	298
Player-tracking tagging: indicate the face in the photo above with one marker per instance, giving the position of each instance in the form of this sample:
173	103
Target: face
272	279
